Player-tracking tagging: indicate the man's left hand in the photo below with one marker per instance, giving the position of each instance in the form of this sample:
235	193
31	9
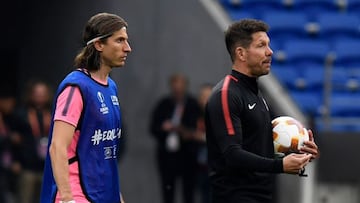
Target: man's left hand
310	146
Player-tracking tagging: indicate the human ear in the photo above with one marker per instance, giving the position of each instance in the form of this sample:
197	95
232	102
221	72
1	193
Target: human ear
98	45
240	53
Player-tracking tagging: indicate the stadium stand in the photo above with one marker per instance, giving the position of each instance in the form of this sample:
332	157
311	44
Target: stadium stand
289	77
343	80
309	101
314	77
339	124
347	52
280	29
313	7
259	6
255	4
334	26
353	6
345	104
304	52
316	57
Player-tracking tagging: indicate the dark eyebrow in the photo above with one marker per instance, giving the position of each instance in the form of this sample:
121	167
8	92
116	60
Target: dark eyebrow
122	37
264	41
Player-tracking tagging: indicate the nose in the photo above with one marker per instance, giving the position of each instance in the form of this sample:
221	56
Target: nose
127	47
269	51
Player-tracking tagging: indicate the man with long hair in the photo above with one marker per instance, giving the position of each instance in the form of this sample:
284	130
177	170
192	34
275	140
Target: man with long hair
81	165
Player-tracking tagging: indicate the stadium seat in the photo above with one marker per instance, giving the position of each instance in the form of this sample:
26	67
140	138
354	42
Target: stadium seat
313	7
353	72
286	25
339	79
314	77
338	25
345	104
347	52
276	47
345	79
353	6
289	76
306	53
310	102
260	6
337	124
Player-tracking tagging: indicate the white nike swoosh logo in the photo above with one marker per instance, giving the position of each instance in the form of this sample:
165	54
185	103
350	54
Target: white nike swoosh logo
251	106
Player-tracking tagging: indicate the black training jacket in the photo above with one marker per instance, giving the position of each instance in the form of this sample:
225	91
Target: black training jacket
239	141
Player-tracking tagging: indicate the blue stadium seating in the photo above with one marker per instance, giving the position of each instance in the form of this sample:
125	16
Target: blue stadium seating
338	25
304	52
345	104
313	7
353	6
353	72
283	28
275	45
260	6
310	102
295	78
289	77
338	124
339	79
314	77
345	79
347	52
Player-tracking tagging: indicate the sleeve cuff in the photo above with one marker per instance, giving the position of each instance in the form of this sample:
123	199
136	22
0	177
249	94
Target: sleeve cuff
278	165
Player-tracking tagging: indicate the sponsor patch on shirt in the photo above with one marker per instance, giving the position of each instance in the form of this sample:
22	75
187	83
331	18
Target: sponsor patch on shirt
103	109
114	100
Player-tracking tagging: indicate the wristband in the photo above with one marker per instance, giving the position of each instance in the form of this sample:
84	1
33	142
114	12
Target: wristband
71	201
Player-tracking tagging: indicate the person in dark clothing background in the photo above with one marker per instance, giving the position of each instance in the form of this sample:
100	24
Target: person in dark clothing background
200	134
238	124
173	121
36	113
12	135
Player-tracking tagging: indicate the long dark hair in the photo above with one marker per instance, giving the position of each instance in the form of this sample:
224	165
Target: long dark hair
101	25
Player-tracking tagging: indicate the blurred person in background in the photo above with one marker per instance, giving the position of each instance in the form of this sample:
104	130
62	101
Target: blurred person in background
82	163
172	118
12	132
36	112
200	136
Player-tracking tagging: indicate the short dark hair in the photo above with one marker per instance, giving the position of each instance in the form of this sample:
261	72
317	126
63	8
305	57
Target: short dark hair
240	34
100	25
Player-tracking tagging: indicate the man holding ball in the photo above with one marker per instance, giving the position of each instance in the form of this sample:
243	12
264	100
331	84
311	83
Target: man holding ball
238	124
